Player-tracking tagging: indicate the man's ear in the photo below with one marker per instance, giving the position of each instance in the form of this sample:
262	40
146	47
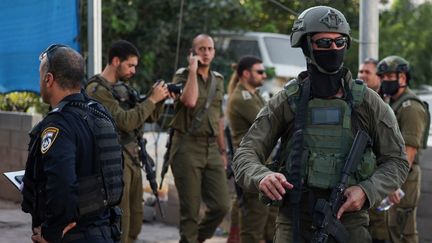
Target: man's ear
116	61
402	79
49	79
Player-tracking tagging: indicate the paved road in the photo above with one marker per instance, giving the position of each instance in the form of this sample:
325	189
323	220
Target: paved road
15	227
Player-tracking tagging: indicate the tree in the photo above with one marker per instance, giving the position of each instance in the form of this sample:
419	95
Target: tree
405	31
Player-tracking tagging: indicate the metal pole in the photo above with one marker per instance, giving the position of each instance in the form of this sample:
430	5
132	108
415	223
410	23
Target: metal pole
369	29
94	33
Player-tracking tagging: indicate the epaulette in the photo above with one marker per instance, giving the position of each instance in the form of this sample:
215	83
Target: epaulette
292	87
218	74
181	70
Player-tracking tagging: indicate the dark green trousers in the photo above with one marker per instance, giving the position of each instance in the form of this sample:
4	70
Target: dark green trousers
356	223
199	174
401	218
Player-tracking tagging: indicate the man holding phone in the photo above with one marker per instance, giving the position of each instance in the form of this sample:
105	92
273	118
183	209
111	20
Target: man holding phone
198	157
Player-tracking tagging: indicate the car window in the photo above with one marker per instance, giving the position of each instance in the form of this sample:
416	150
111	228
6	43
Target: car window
281	52
239	48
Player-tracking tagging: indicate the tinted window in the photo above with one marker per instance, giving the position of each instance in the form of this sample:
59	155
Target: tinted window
281	52
239	48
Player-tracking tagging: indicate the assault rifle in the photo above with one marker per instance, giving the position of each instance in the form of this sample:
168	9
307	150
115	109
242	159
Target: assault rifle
229	170
149	167
165	164
324	217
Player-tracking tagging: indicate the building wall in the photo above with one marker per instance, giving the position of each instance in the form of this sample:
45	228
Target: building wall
14	129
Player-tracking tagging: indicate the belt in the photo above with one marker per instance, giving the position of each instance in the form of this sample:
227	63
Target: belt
94	231
204	139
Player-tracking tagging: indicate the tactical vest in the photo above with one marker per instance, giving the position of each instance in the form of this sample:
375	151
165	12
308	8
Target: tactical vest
409	96
104	188
127	98
328	137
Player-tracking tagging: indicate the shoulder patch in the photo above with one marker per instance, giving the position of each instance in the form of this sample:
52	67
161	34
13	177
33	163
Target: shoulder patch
181	70
48	138
406	103
246	95
217	74
292	87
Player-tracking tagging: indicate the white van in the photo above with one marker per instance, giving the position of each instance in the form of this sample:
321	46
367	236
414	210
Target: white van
274	49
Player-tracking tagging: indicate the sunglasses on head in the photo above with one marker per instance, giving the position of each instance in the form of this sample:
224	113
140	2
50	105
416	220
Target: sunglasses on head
259	71
49	52
327	42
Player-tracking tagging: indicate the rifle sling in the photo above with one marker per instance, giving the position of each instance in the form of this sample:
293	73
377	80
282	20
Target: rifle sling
297	157
196	122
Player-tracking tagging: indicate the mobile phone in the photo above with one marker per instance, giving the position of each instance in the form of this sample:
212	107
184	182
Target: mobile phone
195	54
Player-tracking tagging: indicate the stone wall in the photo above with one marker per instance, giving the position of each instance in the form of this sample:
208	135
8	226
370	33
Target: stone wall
14	128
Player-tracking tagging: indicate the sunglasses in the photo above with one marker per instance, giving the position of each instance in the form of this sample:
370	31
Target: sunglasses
327	42
49	53
259	71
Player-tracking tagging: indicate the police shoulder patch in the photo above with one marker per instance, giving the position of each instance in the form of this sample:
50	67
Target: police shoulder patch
406	103
48	138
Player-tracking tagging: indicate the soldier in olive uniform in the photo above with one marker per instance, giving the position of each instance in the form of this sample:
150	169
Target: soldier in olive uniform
367	73
198	155
413	120
122	102
244	103
333	107
377	219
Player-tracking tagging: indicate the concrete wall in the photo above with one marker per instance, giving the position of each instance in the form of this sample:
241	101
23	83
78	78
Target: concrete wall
14	128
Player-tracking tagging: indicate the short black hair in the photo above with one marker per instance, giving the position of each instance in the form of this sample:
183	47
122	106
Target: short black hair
370	60
67	67
122	49
246	63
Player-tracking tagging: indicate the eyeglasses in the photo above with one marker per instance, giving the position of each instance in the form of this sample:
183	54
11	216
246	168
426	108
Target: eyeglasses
49	53
327	42
259	71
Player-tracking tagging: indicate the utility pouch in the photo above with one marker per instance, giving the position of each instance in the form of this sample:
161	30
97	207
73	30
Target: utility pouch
115	218
324	170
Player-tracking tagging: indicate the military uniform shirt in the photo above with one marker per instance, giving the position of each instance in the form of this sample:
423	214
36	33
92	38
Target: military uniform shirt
126	120
243	106
411	118
277	119
210	121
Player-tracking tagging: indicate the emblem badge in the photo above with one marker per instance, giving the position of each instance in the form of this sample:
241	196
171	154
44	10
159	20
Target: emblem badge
246	95
48	137
331	19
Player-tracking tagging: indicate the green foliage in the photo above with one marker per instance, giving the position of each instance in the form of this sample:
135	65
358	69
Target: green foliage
405	31
22	101
152	25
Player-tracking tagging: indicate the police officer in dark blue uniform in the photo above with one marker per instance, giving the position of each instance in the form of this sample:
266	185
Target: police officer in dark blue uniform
73	175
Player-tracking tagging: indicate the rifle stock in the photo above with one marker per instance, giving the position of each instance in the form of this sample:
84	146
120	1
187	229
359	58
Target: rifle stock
229	170
149	167
165	164
324	217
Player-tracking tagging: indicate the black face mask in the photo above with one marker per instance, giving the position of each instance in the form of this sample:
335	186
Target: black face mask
329	60
324	85
389	87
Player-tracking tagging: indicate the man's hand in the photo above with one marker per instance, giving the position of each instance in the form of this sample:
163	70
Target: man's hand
394	197
193	62
37	233
159	92
274	185
355	199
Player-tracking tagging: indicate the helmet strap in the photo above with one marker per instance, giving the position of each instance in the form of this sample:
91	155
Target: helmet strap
311	58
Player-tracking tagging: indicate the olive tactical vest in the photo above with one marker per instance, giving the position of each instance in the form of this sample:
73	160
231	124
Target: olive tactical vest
328	137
